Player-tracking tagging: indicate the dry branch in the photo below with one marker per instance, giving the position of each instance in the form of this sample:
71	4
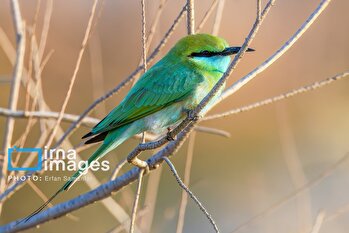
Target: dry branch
283	96
75	72
14	93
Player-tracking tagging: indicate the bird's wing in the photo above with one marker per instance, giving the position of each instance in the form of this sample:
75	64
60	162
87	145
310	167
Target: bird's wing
157	89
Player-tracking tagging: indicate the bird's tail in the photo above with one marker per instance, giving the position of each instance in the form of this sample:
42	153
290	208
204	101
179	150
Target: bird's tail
113	140
99	153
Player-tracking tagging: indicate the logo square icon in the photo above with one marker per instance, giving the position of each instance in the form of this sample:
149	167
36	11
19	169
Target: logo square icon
13	150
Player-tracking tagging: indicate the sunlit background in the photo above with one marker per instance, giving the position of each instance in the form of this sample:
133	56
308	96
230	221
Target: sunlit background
273	151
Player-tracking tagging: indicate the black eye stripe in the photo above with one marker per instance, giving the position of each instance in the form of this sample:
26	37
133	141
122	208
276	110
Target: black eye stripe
205	54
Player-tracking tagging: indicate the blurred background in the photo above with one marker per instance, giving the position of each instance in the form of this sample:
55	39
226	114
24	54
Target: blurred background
272	152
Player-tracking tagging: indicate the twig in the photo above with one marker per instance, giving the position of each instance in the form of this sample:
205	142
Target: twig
91	121
214	131
97	75
117	169
318	222
191	195
75	72
135	205
310	87
14	93
120	228
259	9
184	200
207	15
88	121
144	49
190	17
150	200
144	37
151	35
218	19
155	23
45	28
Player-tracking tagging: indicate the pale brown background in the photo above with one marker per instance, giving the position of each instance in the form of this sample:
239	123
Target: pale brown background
236	177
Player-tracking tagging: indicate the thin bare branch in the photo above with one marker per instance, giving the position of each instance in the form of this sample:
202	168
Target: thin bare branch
184	199
191	195
14	92
135	205
117	169
218	19
150	200
310	87
144	37
91	121
207	15
190	17
213	131
318	222
259	9
75	72
45	28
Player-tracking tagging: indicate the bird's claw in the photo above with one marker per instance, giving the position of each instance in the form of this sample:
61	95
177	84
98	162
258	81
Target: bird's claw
139	163
169	135
193	116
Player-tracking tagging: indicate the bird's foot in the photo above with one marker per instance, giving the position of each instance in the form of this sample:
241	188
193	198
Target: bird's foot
139	163
169	135
192	116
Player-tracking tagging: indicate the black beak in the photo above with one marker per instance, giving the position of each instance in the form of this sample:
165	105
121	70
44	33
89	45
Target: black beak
233	50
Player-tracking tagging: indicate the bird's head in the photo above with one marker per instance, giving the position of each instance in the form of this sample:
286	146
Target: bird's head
205	52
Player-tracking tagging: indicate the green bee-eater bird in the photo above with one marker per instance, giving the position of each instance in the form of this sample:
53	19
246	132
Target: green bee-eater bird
163	95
